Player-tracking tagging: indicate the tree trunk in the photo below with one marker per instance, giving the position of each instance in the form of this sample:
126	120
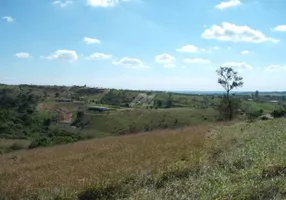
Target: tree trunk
229	107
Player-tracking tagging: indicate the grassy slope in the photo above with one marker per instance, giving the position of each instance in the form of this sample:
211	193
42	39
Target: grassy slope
140	120
242	161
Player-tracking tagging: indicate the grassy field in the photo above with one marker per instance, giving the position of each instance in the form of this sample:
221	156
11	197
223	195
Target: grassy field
266	106
240	161
127	121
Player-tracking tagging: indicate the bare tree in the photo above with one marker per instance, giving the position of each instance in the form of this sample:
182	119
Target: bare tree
229	79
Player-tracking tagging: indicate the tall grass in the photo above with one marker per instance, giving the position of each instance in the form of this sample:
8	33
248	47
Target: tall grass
241	161
66	170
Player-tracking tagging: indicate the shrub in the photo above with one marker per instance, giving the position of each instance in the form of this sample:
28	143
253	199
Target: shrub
278	113
264	118
254	114
15	147
225	110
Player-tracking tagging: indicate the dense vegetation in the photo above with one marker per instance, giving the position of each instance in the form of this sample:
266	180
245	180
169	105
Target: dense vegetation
19	119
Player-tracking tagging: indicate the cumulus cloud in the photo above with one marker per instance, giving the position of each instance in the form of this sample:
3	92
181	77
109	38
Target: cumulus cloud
134	63
62	3
22	55
188	49
197	60
273	68
235	33
215	48
88	40
65	55
281	28
165	58
227	4
245	52
103	3
8	19
99	56
239	66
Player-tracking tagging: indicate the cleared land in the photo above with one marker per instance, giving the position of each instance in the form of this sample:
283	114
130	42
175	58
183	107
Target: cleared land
241	161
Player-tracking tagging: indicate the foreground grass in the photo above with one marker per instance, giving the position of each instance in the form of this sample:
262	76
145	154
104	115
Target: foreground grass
8	145
241	161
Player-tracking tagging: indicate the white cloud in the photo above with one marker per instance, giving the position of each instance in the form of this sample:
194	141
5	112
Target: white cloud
99	56
8	19
227	4
211	49
22	55
281	28
88	40
103	3
188	49
165	58
245	52
170	65
215	48
240	66
134	63
272	68
235	33
197	60
66	55
62	3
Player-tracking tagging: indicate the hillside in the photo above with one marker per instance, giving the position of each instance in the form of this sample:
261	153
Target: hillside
34	116
238	161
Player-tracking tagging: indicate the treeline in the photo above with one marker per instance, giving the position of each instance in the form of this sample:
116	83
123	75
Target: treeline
20	119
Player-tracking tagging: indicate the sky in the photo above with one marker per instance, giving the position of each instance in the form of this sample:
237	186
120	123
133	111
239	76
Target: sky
143	44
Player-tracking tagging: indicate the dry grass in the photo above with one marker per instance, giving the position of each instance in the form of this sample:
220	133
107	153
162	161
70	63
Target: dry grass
71	168
8	142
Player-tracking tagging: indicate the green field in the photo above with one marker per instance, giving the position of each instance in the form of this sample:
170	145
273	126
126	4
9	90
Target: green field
266	107
141	120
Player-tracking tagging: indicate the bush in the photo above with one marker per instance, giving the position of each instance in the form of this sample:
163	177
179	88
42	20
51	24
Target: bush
254	114
264	118
278	113
225	111
39	142
15	147
55	137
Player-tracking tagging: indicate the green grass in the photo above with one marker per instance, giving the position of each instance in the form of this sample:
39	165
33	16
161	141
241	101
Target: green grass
140	120
251	165
266	106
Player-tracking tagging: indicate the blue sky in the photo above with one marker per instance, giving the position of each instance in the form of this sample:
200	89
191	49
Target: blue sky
143	44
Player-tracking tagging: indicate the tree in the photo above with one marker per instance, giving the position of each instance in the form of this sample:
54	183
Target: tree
256	94
169	101
229	80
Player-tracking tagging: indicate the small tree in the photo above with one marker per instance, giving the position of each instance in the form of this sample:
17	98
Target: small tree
256	95
229	79
169	102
